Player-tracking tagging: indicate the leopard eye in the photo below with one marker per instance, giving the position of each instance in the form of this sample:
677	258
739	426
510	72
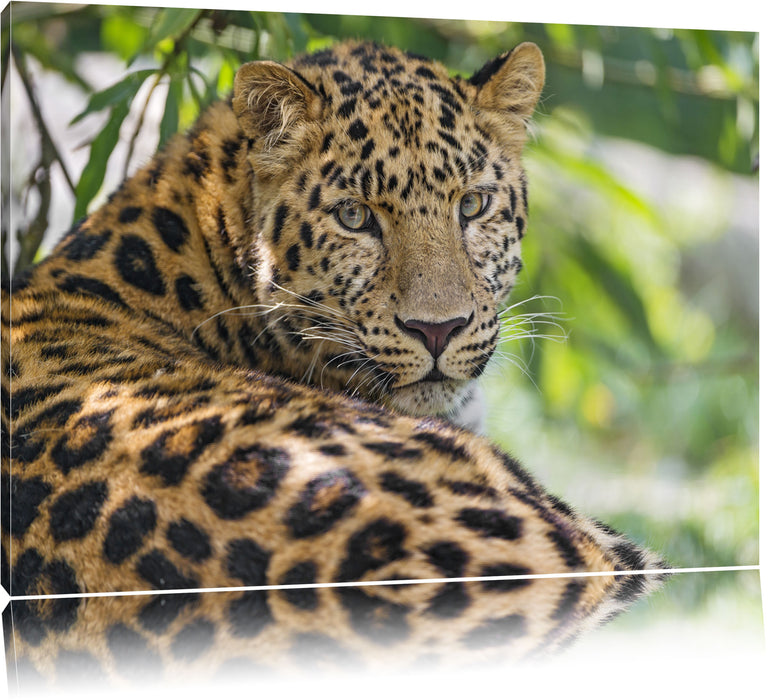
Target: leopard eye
354	216
473	204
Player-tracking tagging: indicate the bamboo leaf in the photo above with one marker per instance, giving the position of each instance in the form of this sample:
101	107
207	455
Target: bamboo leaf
51	58
94	173
618	288
596	176
122	91
194	92
169	124
170	22
123	35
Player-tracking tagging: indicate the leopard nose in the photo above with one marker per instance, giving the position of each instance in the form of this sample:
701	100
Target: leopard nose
435	336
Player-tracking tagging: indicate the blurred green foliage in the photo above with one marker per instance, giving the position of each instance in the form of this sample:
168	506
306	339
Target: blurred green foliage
642	405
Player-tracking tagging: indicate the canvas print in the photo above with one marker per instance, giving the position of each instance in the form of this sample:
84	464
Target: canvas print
352	342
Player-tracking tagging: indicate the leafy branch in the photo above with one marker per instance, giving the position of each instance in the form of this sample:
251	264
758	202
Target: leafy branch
40	176
48	142
176	24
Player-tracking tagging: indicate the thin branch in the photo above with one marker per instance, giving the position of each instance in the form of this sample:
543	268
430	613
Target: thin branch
139	125
31	238
47	141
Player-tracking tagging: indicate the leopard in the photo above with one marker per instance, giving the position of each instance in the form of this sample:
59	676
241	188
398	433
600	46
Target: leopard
236	393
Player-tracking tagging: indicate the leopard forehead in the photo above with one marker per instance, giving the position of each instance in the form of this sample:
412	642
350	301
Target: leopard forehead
404	107
365	78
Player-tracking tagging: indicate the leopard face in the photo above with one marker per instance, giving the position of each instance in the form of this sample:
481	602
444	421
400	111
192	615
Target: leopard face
389	204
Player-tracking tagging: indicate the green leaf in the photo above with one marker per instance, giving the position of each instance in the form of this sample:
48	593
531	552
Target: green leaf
562	35
170	22
298	31
102	147
169	124
122	91
210	87
617	287
596	176
225	78
31	41
122	35
200	100
258	25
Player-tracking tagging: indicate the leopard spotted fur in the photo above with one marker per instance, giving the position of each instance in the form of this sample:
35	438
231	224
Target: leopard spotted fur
246	368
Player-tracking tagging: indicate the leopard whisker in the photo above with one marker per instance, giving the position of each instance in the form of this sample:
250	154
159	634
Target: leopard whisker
331	338
535	297
522	319
361	359
368	377
349	389
381	390
312	302
500	356
270	325
384	385
515	335
336	331
267	309
308	375
519	326
341	355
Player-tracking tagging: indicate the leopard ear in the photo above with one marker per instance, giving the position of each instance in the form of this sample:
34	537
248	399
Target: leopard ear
511	83
270	100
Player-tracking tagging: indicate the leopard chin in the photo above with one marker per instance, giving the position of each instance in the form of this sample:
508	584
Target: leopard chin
460	401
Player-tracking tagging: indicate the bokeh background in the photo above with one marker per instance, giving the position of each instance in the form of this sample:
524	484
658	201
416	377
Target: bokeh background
628	381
